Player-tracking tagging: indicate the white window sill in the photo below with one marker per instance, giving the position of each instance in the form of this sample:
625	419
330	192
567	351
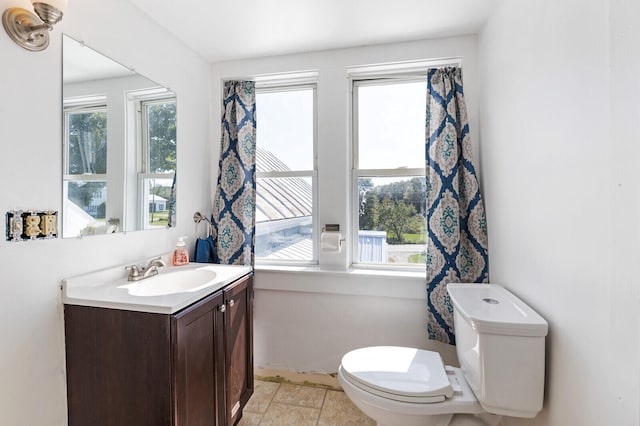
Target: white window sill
356	281
355	271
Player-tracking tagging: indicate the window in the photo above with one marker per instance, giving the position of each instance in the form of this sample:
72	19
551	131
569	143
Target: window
389	171
85	168
285	174
157	157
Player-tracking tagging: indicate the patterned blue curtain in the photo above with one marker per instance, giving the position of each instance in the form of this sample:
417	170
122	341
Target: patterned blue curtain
457	249
233	216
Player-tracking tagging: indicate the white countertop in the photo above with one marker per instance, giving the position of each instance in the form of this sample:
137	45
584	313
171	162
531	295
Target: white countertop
109	288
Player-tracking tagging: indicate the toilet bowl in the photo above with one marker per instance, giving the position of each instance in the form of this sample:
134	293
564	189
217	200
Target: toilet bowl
501	353
408	387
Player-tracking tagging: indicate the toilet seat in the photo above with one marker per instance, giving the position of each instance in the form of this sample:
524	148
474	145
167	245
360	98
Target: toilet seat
378	403
398	373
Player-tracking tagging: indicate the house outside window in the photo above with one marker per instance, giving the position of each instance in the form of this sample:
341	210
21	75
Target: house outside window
286	225
389	186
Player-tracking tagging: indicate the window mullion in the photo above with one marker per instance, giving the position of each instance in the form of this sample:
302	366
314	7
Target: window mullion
86	177
390	172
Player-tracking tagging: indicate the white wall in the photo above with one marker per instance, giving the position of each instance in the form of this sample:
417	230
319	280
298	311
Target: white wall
559	126
306	321
624	328
32	378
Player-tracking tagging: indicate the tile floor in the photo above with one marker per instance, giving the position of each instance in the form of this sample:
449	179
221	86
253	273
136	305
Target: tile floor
284	404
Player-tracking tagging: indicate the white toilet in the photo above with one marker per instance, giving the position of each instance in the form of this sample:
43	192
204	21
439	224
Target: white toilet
500	346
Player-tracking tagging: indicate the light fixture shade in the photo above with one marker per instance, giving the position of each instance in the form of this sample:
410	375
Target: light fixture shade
61	5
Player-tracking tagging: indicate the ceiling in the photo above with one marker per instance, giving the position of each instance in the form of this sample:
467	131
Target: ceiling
236	29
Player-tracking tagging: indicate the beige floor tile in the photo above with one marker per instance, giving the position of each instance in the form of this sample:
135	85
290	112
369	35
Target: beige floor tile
304	396
289	415
263	393
338	410
250	419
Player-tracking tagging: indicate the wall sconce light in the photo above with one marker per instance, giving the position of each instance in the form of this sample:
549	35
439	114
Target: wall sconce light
29	31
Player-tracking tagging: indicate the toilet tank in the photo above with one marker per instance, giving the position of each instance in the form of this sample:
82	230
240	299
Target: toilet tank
500	345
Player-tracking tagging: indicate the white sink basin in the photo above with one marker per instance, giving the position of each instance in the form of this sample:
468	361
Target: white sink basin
172	282
174	288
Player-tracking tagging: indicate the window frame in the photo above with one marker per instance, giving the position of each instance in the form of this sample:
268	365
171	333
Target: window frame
290	83
81	104
138	101
372	78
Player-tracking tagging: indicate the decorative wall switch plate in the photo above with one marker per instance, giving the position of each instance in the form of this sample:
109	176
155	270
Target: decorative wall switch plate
31	225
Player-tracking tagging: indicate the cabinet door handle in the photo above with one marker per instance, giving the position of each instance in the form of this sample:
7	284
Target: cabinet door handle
231	303
222	308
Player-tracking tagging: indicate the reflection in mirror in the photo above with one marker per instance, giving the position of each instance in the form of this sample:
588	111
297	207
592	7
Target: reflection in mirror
119	145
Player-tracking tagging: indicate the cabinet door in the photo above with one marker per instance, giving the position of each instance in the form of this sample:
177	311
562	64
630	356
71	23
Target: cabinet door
198	355
118	367
239	346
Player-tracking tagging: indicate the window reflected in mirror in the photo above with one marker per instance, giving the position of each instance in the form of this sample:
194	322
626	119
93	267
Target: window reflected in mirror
158	161
85	175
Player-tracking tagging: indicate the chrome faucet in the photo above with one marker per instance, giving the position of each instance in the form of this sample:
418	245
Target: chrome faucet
137	274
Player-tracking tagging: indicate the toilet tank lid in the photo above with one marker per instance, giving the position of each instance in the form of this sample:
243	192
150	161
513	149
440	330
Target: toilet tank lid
492	309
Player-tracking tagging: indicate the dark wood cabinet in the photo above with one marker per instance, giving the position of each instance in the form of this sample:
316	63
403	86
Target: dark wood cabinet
193	367
238	348
198	363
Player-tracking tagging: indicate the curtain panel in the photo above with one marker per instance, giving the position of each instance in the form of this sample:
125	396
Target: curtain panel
233	216
457	249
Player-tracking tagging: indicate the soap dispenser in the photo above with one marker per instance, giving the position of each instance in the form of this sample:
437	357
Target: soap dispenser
180	254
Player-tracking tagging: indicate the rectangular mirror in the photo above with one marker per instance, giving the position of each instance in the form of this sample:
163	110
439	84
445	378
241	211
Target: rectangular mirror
119	146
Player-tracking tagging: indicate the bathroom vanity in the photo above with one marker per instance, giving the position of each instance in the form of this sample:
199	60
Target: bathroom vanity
154	361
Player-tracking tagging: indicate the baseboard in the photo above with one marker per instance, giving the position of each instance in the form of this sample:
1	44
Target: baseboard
326	381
